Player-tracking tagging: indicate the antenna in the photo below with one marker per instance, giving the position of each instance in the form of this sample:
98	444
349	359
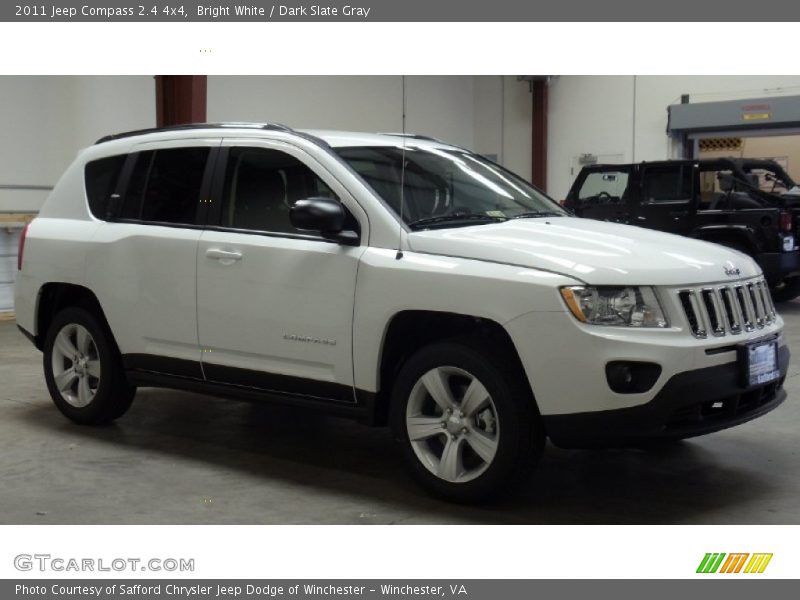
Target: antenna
399	254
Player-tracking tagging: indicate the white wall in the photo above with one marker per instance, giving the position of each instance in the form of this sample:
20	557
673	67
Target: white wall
46	120
595	114
491	115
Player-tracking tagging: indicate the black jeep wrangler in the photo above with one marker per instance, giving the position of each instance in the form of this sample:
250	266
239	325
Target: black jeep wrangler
749	205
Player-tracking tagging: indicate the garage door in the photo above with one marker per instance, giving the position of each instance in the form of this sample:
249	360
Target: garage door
9	242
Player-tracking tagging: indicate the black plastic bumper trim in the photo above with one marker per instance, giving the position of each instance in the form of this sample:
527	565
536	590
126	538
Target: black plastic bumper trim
690	404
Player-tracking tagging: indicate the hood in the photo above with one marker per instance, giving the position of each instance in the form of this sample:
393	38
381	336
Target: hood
594	252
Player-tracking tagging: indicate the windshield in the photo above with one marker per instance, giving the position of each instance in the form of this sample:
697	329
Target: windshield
446	187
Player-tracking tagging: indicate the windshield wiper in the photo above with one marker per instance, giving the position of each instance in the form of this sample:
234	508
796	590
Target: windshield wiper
453	218
538	213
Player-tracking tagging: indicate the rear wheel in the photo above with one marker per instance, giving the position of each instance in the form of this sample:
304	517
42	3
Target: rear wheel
83	369
466	422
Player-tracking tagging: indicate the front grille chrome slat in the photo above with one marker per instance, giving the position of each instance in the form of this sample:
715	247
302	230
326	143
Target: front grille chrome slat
727	309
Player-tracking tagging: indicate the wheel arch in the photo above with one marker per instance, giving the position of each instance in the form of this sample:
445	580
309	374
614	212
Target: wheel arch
408	331
56	296
736	236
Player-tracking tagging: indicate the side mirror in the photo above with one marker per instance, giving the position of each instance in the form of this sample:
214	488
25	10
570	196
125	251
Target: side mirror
324	215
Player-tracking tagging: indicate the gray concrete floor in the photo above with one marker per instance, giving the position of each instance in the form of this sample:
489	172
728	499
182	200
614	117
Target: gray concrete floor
184	458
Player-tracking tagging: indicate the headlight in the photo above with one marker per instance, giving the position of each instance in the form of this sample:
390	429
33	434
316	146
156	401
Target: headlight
611	305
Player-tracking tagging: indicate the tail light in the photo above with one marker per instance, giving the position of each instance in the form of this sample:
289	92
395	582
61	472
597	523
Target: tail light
786	221
21	251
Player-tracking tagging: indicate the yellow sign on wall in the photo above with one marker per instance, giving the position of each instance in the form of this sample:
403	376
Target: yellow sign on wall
755	116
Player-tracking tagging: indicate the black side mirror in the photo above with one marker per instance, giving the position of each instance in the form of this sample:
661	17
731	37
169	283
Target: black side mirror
324	215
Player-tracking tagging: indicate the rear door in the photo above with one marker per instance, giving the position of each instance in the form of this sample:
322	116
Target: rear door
666	196
143	266
602	193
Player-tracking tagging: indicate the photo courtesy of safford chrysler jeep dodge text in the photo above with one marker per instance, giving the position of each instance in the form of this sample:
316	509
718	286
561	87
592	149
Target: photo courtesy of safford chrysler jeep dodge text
394	279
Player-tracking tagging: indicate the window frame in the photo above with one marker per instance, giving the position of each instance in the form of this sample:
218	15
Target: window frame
123	185
217	192
681	166
625	169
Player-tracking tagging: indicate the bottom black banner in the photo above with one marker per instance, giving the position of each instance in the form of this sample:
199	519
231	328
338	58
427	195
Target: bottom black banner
373	589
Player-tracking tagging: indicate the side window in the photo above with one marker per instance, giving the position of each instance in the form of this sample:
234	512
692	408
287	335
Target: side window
604	187
260	187
165	186
101	178
667	184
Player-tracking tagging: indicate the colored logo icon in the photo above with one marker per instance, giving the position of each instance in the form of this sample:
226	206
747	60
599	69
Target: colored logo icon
717	562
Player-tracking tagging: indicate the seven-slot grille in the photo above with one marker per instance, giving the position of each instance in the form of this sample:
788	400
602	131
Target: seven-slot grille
727	309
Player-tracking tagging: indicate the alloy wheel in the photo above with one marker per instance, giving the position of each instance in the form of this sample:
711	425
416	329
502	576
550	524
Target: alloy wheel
76	365
452	424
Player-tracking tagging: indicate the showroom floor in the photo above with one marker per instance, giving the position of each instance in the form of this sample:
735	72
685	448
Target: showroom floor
183	458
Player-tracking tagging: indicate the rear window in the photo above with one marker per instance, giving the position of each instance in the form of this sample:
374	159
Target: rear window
101	178
165	186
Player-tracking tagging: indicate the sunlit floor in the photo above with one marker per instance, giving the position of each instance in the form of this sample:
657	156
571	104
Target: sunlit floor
184	458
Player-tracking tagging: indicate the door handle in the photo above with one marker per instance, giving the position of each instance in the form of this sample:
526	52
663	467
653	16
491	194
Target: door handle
223	255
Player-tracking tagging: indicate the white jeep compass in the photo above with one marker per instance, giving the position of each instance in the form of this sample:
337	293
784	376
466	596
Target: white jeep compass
395	279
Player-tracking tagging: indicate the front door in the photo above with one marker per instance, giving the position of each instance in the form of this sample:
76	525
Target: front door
275	304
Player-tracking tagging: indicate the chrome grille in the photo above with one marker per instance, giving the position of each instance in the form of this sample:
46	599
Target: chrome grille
720	310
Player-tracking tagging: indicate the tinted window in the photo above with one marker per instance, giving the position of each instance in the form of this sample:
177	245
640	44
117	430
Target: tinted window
165	186
260	187
604	187
101	180
662	184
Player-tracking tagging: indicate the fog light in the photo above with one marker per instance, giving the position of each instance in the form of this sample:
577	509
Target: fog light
629	377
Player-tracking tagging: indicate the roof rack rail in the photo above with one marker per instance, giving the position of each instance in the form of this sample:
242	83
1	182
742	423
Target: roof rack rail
189	126
413	136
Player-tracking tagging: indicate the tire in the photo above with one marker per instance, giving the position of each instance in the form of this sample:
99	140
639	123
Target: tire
786	290
83	369
479	449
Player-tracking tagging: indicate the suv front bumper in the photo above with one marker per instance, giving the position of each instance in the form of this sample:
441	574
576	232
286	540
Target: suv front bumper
689	404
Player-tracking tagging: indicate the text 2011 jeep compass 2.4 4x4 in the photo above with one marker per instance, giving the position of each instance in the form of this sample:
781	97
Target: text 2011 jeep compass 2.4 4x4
395	279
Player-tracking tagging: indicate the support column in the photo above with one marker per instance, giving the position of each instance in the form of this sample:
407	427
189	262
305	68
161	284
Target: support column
180	99
539	133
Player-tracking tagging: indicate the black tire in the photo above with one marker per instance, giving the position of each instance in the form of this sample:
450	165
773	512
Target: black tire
520	435
113	395
786	290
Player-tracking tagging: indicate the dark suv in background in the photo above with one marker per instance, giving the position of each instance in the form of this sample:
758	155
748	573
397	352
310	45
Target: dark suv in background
750	205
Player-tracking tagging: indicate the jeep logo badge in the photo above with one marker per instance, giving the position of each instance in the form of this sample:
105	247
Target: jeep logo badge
732	271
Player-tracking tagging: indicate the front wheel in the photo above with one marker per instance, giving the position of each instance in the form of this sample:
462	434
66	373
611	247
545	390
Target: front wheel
83	369
466	421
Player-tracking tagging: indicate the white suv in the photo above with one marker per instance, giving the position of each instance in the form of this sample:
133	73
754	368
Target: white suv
390	278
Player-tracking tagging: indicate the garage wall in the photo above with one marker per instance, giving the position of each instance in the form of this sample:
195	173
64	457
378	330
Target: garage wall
45	121
489	114
595	114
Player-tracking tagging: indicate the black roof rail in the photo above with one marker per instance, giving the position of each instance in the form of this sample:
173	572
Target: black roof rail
189	126
413	136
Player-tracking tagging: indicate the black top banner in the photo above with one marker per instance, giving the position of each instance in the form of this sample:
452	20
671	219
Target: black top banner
405	10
